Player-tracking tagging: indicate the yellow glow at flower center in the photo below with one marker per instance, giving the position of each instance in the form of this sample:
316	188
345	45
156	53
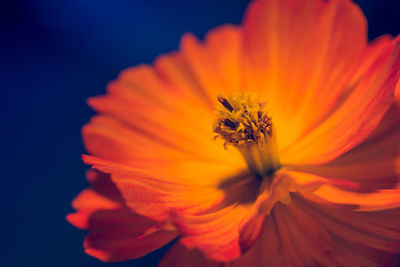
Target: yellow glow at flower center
242	122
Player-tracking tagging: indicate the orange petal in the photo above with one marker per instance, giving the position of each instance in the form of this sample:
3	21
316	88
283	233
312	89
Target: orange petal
143	106
381	199
109	139
154	195
351	124
332	190
216	234
216	64
293	52
303	58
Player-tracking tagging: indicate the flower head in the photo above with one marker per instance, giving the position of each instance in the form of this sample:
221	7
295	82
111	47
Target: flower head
273	143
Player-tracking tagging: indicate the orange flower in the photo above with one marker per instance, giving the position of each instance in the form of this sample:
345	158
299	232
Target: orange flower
275	143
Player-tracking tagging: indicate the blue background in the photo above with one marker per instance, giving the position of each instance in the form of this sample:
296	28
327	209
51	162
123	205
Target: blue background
54	55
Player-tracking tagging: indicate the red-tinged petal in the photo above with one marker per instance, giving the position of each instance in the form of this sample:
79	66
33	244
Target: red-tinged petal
397	90
289	238
116	235
80	219
250	232
382	145
101	183
102	195
88	202
350	254
378	229
115	232
179	255
90	199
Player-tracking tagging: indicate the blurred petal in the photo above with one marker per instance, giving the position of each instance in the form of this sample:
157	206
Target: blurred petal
295	235
216	234
382	144
331	190
373	165
290	238
379	230
179	255
116	235
115	232
230	229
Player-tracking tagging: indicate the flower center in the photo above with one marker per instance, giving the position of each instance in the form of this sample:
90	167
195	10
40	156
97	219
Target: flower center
242	122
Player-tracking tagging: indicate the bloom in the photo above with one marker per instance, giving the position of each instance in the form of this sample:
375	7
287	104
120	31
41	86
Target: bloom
274	143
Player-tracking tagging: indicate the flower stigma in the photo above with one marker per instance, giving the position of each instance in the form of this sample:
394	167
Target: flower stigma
243	123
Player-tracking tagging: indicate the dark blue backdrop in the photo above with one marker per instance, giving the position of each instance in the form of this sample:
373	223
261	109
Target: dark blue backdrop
55	54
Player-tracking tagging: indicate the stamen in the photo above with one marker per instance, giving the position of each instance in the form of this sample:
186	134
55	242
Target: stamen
225	103
230	124
243	123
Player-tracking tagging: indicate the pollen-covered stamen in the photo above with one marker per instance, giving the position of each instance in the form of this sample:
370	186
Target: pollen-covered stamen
242	122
